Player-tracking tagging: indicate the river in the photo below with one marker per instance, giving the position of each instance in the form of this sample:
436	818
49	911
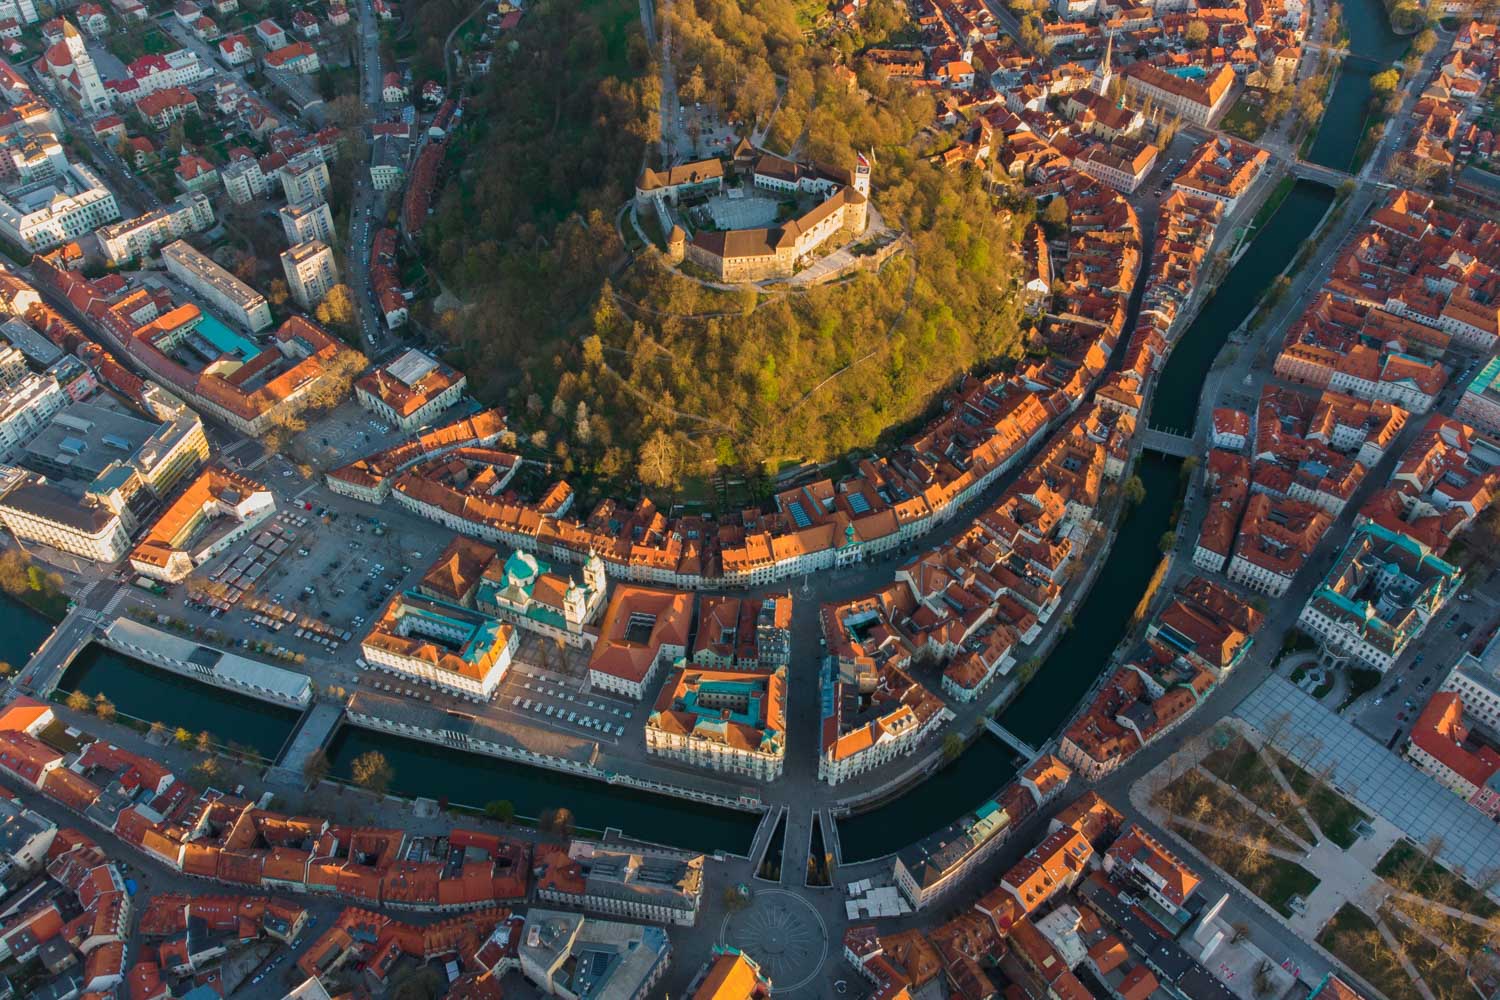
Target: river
1175	406
469	779
26	628
151	695
1045	703
1373	48
979	771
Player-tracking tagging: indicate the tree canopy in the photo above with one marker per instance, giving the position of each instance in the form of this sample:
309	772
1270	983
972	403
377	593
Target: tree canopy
648	376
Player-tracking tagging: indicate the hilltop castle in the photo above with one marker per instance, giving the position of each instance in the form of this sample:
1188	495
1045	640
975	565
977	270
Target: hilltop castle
772	251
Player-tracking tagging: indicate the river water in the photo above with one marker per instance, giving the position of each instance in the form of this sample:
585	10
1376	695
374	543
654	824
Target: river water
1175	405
1373	48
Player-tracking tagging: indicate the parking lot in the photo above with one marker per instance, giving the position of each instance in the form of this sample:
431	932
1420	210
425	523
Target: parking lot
330	567
542	698
1388	713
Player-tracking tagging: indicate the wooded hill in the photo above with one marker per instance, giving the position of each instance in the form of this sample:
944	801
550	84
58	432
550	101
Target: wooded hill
631	380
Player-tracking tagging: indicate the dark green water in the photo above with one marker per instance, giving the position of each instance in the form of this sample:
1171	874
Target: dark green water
1045	704
977	773
1176	403
1373	49
27	631
154	695
473	780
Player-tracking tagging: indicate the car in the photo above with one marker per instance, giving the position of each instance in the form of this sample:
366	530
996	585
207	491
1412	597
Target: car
1379	700
1466	598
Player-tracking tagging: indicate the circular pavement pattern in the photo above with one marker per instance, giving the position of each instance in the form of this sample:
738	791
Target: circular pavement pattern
783	933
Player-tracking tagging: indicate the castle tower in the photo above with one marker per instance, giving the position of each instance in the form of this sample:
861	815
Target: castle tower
1104	72
676	245
862	175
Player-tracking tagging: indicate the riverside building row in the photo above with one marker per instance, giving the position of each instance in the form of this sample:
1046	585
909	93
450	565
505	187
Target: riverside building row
1200	635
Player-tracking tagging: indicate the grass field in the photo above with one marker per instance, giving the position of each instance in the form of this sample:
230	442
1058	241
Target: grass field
1350	937
1336	815
1439	969
1246	770
1435	882
1275	881
1244	120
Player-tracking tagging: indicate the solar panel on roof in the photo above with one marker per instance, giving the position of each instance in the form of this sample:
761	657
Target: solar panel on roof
799	516
858	503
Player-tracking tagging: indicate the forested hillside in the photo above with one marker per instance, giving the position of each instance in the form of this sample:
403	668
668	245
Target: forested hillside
631	379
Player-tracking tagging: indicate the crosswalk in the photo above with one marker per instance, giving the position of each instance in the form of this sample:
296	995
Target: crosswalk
113	602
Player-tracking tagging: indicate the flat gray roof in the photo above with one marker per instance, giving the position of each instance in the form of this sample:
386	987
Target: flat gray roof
105	435
1378	779
286	683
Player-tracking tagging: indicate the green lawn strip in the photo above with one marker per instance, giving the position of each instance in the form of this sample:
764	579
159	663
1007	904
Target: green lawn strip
1352	938
1273	201
1440	969
1335	814
1435	882
1239	765
1276	881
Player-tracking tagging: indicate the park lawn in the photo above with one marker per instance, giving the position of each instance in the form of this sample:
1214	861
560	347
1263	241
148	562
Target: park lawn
1276	882
1244	119
1228	813
1336	815
1246	770
1377	965
1439	969
1436	882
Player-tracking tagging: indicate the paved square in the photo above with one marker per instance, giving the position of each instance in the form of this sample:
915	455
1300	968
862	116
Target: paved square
750	212
1376	778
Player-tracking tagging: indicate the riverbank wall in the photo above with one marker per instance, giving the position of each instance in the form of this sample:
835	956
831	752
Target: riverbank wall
488	748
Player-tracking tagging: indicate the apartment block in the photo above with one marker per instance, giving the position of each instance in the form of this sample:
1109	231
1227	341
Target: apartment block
223	290
307	221
131	239
310	272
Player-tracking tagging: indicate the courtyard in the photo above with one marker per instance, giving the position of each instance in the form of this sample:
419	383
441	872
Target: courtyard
735	209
